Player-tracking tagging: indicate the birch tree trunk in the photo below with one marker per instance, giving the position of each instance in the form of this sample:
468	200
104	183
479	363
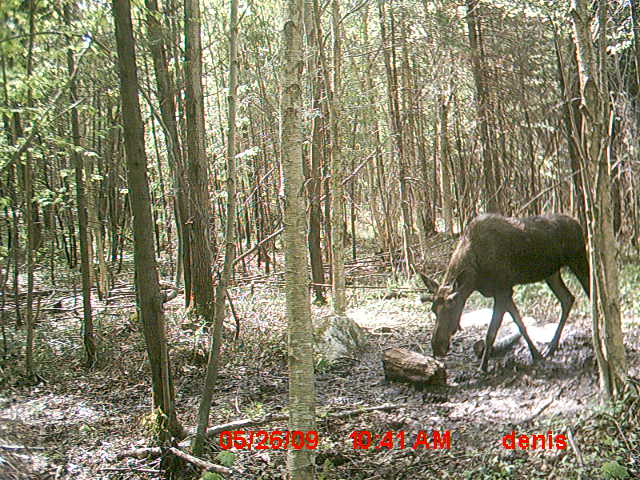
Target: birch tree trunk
337	171
300	463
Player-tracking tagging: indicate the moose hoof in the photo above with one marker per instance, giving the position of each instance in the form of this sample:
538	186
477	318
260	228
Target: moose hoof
536	356
550	350
484	367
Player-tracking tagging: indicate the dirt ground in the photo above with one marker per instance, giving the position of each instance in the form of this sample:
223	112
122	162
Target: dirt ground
78	421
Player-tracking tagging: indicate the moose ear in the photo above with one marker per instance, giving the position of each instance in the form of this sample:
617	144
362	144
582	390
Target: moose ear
431	285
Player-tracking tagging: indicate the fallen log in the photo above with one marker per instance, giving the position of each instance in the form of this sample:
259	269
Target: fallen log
411	367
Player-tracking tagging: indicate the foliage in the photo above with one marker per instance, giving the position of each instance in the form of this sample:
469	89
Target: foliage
226	458
615	471
211	476
154	422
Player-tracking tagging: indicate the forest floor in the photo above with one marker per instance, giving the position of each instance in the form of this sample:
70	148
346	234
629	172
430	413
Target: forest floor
77	421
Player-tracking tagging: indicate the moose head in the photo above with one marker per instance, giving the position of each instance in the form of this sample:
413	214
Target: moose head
448	303
447	306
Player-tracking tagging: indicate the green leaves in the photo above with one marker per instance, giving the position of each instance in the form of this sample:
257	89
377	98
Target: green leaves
613	470
226	458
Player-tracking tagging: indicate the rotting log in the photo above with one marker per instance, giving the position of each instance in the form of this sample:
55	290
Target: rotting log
411	367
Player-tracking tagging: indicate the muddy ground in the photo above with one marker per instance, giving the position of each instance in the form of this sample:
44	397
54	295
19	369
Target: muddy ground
78	421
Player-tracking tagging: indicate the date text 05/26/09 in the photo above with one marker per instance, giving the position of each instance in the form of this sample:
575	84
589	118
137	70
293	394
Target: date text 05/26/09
265	440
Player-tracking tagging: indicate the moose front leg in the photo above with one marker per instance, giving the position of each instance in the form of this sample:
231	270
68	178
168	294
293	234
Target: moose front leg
566	302
499	307
512	309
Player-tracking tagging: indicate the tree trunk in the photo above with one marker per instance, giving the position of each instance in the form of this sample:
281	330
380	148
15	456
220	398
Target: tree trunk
229	248
445	178
633	4
482	108
29	192
149	297
594	144
378	181
313	173
572	122
85	267
165	86
337	170
300	330
202	243
395	127
336	189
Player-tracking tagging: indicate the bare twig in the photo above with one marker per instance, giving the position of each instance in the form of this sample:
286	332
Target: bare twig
198	462
155	452
258	245
575	448
131	470
140	453
235	315
360	411
19	448
537	412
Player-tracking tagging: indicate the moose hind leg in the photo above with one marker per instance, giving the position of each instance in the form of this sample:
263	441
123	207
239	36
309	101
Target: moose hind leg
513	310
496	320
566	299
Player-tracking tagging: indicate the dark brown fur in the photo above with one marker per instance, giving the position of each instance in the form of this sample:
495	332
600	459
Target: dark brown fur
494	254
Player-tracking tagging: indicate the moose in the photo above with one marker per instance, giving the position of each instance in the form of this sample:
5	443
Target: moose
494	254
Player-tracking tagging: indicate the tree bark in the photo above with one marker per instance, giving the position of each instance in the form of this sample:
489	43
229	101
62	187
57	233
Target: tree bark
81	201
336	188
165	86
395	127
313	173
572	122
29	204
482	108
149	297
229	247
337	170
594	143
202	243
300	330
445	178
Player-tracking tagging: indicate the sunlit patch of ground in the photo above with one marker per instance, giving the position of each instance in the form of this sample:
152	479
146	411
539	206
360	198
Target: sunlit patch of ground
378	314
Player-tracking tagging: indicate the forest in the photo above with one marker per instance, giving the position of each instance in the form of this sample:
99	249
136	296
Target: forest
286	239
